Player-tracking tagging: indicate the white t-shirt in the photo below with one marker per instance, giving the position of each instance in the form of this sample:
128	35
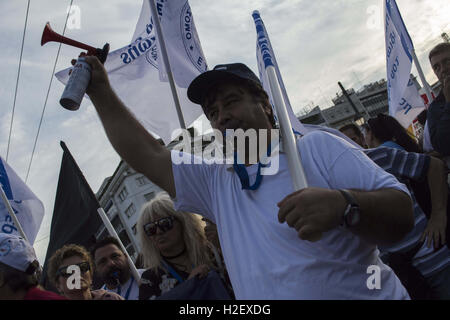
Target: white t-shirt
129	290
266	259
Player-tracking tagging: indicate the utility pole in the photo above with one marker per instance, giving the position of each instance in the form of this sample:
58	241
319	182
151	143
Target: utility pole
358	116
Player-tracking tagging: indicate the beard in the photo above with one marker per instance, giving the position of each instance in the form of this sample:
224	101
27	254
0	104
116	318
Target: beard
115	276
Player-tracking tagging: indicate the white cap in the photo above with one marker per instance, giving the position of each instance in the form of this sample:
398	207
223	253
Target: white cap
16	252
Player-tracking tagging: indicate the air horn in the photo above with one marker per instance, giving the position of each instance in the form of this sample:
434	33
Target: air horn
81	72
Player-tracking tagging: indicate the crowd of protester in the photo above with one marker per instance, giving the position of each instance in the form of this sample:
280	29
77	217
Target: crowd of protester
235	250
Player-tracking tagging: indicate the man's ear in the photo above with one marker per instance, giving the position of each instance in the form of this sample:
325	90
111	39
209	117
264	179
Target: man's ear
269	112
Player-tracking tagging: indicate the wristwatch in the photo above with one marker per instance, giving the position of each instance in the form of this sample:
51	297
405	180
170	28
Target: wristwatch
352	213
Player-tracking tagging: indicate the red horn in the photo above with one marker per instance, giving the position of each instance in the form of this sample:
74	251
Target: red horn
49	35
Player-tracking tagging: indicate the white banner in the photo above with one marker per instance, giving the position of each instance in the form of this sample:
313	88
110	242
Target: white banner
399	47
182	42
28	208
133	69
265	55
412	105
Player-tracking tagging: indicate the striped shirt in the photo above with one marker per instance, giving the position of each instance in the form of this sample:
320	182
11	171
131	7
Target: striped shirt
411	166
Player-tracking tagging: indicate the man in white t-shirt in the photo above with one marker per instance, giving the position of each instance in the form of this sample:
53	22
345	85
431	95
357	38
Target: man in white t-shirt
327	247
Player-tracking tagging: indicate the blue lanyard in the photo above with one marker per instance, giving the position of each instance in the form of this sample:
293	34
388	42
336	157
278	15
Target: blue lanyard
173	272
242	173
119	289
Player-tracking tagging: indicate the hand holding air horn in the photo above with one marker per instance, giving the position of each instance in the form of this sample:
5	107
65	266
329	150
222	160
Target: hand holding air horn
81	73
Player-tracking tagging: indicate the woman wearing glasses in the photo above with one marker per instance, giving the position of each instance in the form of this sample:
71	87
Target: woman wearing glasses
64	266
174	247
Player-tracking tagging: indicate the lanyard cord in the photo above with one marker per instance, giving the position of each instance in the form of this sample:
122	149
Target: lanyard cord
127	294
242	173
172	272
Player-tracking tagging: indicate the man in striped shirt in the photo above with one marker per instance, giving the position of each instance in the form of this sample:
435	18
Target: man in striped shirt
426	242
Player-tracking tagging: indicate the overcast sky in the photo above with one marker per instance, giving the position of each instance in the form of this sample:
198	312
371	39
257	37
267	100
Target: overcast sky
317	43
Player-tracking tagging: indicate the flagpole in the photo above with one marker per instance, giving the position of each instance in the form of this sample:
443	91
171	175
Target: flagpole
165	57
422	77
114	234
289	141
13	215
287	134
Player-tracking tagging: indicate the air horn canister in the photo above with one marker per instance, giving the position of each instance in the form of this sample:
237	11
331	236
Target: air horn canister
80	74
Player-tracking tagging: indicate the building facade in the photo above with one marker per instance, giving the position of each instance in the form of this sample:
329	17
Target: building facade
369	101
122	196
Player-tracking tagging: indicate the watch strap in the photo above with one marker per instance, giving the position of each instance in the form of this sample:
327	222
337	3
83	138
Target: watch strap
351	202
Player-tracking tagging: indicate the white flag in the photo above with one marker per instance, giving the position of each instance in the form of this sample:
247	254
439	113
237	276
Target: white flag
28	208
182	43
399	49
134	69
263	51
412	105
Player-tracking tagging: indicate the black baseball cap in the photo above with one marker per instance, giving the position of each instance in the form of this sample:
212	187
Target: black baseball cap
205	81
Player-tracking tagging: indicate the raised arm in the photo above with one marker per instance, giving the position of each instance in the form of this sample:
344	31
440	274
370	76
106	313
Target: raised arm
128	137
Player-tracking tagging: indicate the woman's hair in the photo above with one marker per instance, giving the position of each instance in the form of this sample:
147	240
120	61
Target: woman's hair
69	250
193	233
386	128
18	280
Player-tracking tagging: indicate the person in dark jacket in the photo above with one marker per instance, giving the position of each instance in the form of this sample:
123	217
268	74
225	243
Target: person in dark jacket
438	116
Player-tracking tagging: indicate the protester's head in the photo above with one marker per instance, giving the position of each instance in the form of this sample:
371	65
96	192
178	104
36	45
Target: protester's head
111	264
353	132
440	61
165	232
385	128
18	267
62	265
232	97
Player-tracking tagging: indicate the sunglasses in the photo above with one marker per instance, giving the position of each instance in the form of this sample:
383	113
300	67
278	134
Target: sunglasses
84	267
164	224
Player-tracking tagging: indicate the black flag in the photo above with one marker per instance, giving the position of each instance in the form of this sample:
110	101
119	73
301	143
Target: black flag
75	218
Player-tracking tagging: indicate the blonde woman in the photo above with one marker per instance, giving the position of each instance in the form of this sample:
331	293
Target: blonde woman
174	247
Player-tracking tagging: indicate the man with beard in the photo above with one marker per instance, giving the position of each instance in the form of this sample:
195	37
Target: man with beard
112	268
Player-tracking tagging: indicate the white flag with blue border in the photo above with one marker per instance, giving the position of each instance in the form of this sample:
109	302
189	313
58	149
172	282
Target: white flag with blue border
266	57
28	208
412	105
135	71
401	96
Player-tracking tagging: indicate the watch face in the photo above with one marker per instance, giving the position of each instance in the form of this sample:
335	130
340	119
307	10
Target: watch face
352	218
